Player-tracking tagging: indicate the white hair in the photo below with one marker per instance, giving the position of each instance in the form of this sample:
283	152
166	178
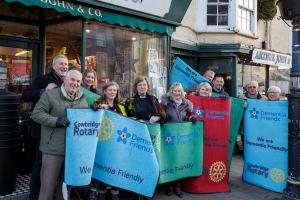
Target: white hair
61	56
179	85
274	88
255	83
73	72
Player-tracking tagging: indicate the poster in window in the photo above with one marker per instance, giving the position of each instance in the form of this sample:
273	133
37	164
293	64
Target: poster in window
101	63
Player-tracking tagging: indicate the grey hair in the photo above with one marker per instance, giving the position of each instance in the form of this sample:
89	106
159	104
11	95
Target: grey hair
252	83
72	72
179	85
60	56
274	88
210	71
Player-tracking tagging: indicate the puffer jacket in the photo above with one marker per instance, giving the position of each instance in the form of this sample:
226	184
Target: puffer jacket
52	105
176	113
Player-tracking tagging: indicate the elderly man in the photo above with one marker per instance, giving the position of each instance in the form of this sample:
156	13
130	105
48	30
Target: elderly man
252	92
49	112
209	75
33	93
274	93
217	86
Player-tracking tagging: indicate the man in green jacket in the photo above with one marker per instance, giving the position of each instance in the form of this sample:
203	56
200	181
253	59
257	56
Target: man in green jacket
50	113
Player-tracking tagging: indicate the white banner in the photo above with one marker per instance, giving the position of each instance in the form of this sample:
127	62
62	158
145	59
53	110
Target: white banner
271	58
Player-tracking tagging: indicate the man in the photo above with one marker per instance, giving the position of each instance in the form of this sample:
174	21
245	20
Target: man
274	93
49	81
217	86
252	92
209	75
49	112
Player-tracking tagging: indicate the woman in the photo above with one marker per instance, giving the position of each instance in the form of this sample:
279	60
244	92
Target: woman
142	105
177	109
204	90
89	80
111	100
274	93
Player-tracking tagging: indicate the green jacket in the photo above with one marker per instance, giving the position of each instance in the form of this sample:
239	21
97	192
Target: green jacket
52	105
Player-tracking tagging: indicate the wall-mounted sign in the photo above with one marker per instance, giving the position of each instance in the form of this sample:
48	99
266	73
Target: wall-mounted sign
271	58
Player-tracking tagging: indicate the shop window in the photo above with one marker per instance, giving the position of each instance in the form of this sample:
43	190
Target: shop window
217	12
64	38
245	15
15	68
246	73
280	76
121	54
8	28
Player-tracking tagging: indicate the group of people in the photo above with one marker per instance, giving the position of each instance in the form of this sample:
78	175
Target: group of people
60	89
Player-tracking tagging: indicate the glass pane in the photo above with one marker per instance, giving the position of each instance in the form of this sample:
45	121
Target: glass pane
248	15
64	38
251	4
223	20
246	3
223	1
120	54
223	9
212	1
244	23
15	68
244	14
19	30
241	2
212	20
212	9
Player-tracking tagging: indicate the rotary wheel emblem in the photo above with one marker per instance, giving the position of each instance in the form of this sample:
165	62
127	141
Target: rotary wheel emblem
106	129
277	175
217	171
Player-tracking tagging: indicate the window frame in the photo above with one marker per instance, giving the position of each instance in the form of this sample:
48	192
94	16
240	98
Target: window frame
217	4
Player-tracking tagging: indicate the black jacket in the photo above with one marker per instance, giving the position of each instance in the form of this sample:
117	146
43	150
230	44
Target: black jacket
33	93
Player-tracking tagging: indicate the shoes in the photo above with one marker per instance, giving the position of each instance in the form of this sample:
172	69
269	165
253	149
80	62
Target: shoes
178	191
114	197
102	195
169	191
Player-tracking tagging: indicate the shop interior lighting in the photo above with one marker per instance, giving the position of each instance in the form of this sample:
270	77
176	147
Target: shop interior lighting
21	53
133	38
88	30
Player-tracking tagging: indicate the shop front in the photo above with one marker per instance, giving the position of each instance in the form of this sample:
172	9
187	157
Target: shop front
237	64
119	40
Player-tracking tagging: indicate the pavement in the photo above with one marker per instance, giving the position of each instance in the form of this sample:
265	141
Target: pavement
239	190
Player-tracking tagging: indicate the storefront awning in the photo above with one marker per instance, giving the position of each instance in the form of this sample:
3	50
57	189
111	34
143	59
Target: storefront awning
92	12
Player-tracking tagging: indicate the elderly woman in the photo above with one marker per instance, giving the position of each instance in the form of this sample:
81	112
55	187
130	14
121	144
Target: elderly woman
274	93
89	80
204	90
142	105
177	109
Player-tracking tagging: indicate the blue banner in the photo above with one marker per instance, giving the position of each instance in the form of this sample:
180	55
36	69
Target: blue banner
111	148
183	73
266	144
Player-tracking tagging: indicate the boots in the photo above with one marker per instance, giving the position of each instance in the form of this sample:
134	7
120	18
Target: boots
177	190
169	190
102	195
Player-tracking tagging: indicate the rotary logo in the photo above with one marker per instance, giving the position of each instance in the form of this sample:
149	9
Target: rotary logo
217	171
106	129
277	175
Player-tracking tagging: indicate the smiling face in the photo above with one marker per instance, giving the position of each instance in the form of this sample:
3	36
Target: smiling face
72	83
203	92
252	89
273	95
110	92
209	75
176	93
218	83
88	80
60	66
142	88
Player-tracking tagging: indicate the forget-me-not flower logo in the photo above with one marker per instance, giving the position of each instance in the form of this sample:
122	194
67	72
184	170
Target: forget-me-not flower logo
168	139
123	135
254	113
198	112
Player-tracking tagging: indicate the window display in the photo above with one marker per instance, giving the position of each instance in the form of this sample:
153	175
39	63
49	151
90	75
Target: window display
121	54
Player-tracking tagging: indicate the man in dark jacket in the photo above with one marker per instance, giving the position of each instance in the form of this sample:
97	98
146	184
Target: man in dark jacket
32	94
217	86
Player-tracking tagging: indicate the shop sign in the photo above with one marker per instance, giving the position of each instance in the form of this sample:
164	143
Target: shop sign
154	7
271	58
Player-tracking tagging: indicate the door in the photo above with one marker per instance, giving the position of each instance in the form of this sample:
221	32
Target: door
18	63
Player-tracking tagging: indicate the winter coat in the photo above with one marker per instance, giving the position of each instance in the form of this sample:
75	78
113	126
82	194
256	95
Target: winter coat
176	113
52	105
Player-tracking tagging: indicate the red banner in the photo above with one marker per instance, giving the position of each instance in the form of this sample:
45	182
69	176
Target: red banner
215	112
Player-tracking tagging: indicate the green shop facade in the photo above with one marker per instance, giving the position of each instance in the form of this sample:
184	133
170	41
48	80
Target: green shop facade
119	40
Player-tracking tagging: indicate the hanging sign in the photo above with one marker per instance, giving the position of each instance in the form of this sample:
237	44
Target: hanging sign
271	58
